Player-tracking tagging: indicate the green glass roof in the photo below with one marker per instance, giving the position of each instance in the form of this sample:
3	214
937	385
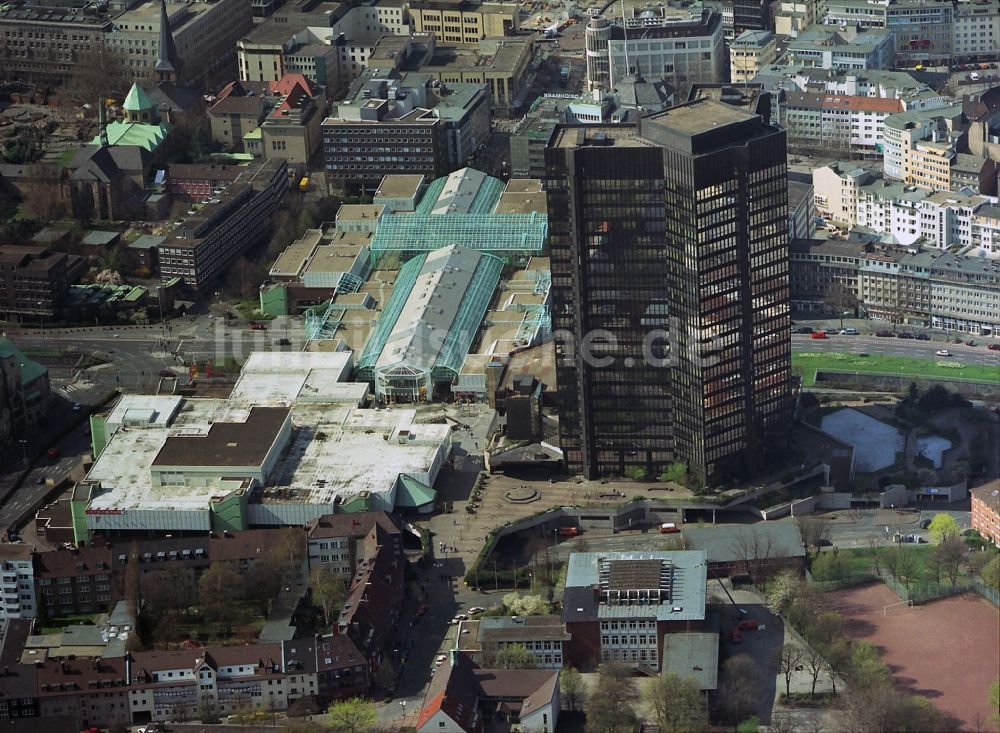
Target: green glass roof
30	370
413	494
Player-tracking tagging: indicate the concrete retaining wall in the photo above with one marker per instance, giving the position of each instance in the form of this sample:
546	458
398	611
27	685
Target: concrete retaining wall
891	383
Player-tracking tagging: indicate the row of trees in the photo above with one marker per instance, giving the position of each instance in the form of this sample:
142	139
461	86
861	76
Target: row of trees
159	598
675	704
872	704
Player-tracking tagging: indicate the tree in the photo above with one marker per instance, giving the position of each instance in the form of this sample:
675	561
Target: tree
265	579
133	582
99	73
991	573
941	525
785	661
328	590
995	700
890	558
524	605
738	690
572	690
949	555
386	677
829	566
839	298
515	656
838	659
355	715
906	566
677	704
815	665
813	530
753	548
207	713
675	472
219	588
245	277
303	726
611	704
867	668
875	548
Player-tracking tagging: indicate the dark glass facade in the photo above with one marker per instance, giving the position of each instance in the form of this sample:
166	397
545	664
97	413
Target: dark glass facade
670	292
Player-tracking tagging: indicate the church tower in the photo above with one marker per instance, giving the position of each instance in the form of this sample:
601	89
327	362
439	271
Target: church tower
166	59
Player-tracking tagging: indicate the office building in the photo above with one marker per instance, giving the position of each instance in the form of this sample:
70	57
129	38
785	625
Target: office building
748	53
45	44
623	607
34	281
17	580
791	17
976	34
25	395
670	291
681	42
464	22
847	48
200	248
750	15
407	124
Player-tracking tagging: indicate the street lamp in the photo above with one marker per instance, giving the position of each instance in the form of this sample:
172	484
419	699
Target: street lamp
843	313
24	452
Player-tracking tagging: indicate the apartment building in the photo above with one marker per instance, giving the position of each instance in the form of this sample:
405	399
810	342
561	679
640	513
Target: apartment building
922	29
976	30
201	247
464	21
837	190
17	582
34	281
291	128
337	541
683	43
986	511
903	130
749	52
836	122
93	692
912	285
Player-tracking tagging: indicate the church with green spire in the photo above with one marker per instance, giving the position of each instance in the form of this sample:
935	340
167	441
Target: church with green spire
142	125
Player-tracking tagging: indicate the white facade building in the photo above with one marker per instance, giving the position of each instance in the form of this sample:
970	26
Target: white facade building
17	582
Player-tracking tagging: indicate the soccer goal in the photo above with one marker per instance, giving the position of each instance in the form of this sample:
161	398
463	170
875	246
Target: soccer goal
885	609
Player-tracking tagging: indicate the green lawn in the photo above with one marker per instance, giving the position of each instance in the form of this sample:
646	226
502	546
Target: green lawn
57	624
807	363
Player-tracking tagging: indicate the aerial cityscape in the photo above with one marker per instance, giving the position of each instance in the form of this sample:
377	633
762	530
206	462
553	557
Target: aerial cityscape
479	366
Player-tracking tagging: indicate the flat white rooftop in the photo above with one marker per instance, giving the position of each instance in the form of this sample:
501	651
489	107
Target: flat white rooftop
283	378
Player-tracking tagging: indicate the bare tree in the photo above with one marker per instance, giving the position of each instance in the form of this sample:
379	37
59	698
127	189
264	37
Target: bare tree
876	550
738	690
839	298
100	73
906	566
816	665
754	549
949	554
328	590
814	530
572	690
785	662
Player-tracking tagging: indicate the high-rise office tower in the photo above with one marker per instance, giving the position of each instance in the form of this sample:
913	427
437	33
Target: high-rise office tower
669	255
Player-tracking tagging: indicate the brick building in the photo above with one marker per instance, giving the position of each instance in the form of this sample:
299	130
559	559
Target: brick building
986	511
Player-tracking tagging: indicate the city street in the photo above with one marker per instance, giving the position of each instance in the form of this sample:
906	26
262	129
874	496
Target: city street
896	347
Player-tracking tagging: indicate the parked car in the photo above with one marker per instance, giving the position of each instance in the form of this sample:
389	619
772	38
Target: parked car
258	327
849	332
167	373
669	528
53	453
970	342
804	330
923	337
569	531
994	347
77	407
830	331
921	540
925	523
942	352
735	635
476	609
748	624
824	542
818	335
885	334
905	335
283	342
